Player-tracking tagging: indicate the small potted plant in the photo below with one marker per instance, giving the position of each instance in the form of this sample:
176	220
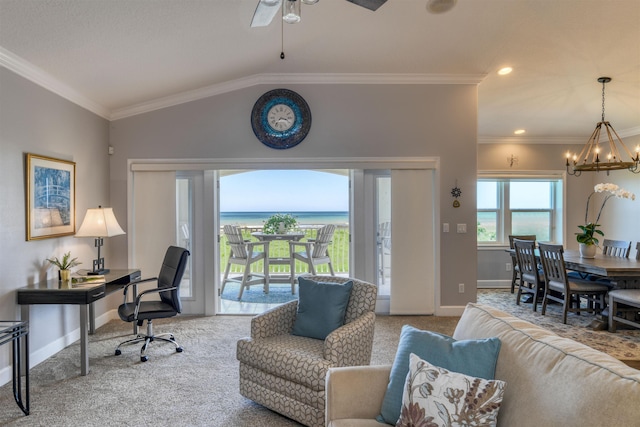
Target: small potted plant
587	239
64	265
279	224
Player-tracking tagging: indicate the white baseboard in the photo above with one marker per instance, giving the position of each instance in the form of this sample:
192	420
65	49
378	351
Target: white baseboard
450	310
493	284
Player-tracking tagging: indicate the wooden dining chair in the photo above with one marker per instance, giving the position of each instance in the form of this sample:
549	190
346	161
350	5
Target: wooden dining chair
531	277
556	280
515	271
618	248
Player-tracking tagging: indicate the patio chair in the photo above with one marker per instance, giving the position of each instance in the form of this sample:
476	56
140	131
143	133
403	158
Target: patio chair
243	253
316	252
515	270
384	247
556	280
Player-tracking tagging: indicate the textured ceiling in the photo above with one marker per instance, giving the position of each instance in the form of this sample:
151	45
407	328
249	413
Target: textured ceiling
124	53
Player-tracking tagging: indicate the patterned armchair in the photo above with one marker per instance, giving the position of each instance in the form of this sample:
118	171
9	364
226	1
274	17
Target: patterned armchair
286	373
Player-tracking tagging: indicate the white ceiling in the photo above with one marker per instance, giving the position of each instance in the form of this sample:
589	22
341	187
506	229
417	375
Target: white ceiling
118	57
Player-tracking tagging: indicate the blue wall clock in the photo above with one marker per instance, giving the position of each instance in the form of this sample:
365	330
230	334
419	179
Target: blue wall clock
281	119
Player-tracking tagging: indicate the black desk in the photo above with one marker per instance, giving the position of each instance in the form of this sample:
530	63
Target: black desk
14	331
84	295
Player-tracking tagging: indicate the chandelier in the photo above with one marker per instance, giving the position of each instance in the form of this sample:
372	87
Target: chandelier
589	158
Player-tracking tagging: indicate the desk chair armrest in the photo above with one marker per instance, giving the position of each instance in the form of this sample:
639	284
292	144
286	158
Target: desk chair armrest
137	282
351	344
277	321
150	291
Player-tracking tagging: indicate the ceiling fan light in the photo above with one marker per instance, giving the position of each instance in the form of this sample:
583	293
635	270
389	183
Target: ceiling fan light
270	2
291	11
310	2
440	6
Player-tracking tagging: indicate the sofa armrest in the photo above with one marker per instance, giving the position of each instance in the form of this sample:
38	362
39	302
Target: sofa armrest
351	344
277	321
355	392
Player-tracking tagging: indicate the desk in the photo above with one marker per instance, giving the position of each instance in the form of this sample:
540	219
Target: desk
14	332
84	295
279	260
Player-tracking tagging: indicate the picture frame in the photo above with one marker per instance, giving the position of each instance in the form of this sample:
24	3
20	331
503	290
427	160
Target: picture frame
51	197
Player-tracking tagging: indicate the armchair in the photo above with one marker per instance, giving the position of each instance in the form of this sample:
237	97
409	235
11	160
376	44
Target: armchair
286	373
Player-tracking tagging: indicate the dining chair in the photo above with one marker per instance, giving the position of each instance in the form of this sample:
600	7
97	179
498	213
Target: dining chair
638	251
531	277
617	248
515	271
571	290
243	252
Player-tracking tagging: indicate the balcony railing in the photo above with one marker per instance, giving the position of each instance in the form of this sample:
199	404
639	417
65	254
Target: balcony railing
338	250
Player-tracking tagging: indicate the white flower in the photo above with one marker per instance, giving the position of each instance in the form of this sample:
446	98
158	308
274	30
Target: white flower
616	191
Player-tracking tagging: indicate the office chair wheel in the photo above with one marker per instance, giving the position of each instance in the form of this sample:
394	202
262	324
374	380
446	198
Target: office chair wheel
178	349
144	358
118	352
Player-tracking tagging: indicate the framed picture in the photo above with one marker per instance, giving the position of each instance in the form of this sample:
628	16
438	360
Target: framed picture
51	197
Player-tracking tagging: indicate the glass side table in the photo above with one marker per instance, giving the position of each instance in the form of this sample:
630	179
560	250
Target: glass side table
13	332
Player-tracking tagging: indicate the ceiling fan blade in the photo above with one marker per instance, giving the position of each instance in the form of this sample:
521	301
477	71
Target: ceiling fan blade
264	13
369	4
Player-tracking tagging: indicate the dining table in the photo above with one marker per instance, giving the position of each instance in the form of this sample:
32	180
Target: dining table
622	273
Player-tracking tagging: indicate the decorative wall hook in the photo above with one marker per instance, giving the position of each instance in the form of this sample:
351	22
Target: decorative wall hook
455	193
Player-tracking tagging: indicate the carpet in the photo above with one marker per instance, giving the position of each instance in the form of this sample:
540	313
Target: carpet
278	293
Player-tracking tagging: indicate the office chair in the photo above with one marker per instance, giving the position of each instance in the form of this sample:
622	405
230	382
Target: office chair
175	261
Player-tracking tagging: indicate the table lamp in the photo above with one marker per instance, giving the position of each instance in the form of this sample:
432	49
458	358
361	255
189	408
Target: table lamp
99	222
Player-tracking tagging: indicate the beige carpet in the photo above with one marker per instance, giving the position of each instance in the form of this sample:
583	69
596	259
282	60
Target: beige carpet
199	386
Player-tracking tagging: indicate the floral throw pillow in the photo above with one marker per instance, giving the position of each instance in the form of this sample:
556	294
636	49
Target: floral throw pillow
436	397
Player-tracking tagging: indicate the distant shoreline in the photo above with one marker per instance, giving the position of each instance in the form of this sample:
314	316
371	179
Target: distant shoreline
304	218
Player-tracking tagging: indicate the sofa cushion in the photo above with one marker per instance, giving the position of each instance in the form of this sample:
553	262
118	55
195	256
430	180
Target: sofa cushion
436	397
321	307
553	380
476	358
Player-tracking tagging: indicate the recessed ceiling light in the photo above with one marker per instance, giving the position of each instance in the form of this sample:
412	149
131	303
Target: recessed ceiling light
504	71
519	131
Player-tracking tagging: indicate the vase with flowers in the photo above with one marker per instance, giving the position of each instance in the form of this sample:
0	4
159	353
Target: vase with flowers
587	238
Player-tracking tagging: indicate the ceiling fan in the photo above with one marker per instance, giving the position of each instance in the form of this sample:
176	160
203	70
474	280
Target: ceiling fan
267	9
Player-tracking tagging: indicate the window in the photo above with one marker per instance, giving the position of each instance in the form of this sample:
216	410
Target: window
519	205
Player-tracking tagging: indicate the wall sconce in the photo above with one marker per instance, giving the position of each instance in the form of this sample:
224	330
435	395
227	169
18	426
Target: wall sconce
99	222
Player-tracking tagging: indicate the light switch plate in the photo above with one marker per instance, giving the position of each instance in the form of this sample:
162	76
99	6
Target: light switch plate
462	228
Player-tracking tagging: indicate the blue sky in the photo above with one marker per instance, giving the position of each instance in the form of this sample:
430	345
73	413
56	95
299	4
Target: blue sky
284	190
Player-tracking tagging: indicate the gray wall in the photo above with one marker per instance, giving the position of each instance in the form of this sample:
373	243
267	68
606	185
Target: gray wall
348	121
34	120
620	219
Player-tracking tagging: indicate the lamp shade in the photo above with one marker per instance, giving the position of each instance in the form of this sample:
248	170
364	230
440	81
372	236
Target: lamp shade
99	222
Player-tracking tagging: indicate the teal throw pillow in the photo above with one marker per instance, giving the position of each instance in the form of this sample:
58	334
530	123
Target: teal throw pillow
321	307
476	358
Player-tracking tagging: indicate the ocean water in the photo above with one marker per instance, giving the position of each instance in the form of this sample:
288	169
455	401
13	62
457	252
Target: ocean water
304	218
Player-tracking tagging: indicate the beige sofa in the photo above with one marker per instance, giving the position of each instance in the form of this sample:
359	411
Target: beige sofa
551	381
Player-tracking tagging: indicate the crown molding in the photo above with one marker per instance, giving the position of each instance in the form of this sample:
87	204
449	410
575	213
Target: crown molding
25	69
552	140
293	78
